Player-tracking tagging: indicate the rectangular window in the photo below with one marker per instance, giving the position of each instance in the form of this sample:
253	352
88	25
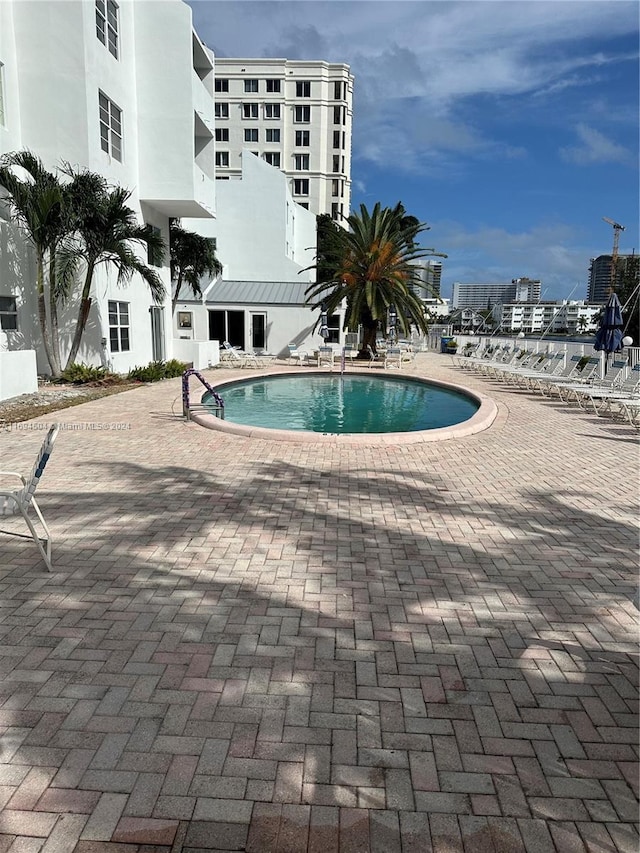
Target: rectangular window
222	134
335	187
336	163
302	138
8	313
221	85
336	210
301	162
110	127
333	325
251	85
337	91
185	320
303	89
336	139
301	186
272	110
222	159
272	158
273	85
337	115
302	114
107	24
273	134
119	326
249	111
304	204
155	257
251	134
222	110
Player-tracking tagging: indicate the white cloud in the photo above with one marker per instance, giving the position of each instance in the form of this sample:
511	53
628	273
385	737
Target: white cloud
595	147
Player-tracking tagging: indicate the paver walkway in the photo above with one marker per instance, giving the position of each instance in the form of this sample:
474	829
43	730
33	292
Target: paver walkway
267	646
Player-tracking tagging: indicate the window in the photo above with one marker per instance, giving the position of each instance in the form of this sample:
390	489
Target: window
222	134
107	24
251	85
335	187
110	127
337	115
333	325
119	326
155	257
273	85
301	162
251	134
222	110
272	158
221	85
301	186
337	91
273	134
302	138
8	313
249	111
336	139
336	163
336	210
302	114
272	110
303	89
304	204
222	159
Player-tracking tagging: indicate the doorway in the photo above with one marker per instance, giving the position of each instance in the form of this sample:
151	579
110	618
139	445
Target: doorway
259	331
227	326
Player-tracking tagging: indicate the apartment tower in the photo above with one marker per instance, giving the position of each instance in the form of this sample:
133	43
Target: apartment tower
294	114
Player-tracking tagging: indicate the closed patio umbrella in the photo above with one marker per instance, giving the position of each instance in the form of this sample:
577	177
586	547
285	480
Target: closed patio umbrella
324	324
609	334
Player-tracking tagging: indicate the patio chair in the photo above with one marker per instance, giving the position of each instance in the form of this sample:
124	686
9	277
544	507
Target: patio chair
607	393
326	356
296	355
19	501
397	357
571	374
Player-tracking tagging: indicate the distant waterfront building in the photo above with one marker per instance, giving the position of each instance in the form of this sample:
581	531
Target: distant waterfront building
600	276
294	114
429	274
530	317
481	296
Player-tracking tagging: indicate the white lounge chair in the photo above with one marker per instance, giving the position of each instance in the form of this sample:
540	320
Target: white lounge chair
19	501
296	355
397	357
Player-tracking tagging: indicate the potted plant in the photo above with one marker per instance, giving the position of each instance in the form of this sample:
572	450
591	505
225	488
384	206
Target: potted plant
452	346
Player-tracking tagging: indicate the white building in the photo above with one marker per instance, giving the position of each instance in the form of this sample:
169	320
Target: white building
296	115
482	296
125	90
258	303
530	317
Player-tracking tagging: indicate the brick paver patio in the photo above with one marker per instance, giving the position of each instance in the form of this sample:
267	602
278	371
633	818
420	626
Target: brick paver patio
269	646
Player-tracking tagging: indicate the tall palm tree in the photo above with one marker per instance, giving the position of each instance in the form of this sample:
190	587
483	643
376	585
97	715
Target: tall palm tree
37	204
192	257
105	228
374	270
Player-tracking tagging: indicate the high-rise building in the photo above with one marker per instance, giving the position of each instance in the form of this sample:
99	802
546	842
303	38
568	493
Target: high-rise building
484	296
294	114
600	276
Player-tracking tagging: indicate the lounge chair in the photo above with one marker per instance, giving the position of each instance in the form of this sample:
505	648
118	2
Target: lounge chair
19	501
238	357
571	374
605	394
397	357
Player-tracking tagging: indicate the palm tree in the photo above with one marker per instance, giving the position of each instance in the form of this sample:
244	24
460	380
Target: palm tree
38	206
104	229
192	257
374	269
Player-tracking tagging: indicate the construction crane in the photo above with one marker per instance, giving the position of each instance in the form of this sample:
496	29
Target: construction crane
617	228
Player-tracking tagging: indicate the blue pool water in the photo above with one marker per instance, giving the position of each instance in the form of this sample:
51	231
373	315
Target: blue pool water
329	403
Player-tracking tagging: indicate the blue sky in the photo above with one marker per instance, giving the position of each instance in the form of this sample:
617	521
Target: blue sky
511	128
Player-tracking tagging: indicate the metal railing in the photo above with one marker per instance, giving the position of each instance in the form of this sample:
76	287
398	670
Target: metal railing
188	406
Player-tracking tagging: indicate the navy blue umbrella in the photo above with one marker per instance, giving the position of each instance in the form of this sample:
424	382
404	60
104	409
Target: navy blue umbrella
324	323
609	334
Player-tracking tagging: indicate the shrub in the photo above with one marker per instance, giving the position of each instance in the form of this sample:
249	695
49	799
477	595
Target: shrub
157	370
80	374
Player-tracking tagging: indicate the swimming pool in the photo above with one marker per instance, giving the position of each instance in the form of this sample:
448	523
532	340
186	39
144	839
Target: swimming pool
349	404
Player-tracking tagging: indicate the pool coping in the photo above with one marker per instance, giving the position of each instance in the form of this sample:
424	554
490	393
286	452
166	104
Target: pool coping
478	422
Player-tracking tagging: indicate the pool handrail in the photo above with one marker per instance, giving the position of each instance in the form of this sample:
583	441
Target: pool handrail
218	409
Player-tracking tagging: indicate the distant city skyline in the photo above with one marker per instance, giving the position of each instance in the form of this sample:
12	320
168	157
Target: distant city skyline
511	128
